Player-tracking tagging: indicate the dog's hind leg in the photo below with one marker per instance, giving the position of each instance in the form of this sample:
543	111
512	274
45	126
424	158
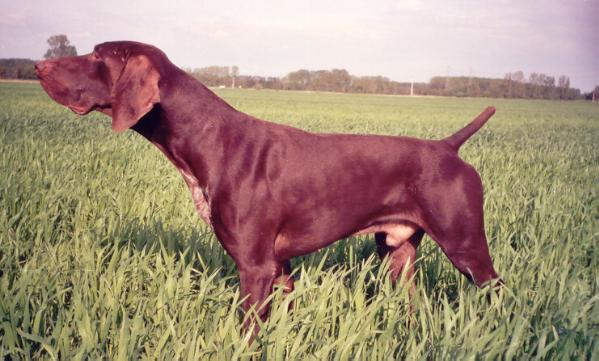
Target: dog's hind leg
470	255
284	279
401	253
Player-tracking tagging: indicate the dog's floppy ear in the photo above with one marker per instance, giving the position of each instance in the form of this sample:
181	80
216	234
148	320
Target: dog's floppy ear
134	93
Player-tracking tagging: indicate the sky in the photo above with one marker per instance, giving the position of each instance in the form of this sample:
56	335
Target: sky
404	40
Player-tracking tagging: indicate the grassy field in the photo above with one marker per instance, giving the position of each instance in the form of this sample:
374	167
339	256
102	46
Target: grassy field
102	255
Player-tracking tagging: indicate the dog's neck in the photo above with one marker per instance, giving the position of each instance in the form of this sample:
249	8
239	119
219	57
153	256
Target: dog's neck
189	130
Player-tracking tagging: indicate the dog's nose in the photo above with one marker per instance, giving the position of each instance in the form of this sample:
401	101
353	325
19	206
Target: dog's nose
42	67
39	66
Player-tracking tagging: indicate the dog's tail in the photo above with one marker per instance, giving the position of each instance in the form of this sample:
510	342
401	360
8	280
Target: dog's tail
456	140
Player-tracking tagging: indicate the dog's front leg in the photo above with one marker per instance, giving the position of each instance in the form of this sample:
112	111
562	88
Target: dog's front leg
256	284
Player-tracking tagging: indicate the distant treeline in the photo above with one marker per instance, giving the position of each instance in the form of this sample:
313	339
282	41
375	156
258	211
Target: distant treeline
513	85
17	69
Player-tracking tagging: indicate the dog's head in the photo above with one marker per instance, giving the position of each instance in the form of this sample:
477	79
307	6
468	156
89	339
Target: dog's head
119	78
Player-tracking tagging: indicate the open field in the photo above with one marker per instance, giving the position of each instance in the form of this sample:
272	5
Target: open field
102	255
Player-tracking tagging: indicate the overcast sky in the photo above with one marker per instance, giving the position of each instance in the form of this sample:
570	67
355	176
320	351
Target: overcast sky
405	40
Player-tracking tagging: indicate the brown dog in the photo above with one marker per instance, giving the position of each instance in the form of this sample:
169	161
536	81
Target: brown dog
273	192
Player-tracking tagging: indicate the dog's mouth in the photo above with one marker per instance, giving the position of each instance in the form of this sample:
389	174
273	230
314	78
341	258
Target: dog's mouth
83	110
61	95
106	109
80	110
58	93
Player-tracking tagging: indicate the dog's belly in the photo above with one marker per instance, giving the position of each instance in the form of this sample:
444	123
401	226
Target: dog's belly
397	233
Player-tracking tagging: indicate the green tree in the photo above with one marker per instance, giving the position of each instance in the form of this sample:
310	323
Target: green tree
60	46
564	84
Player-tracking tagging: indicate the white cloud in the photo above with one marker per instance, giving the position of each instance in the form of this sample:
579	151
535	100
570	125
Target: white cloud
81	35
410	5
12	18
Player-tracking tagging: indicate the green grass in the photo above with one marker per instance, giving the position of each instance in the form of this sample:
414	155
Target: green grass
102	255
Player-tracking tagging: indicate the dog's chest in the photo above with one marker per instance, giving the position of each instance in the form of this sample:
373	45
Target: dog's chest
199	196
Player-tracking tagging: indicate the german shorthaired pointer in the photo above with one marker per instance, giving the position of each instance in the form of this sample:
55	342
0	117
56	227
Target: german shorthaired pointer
272	192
